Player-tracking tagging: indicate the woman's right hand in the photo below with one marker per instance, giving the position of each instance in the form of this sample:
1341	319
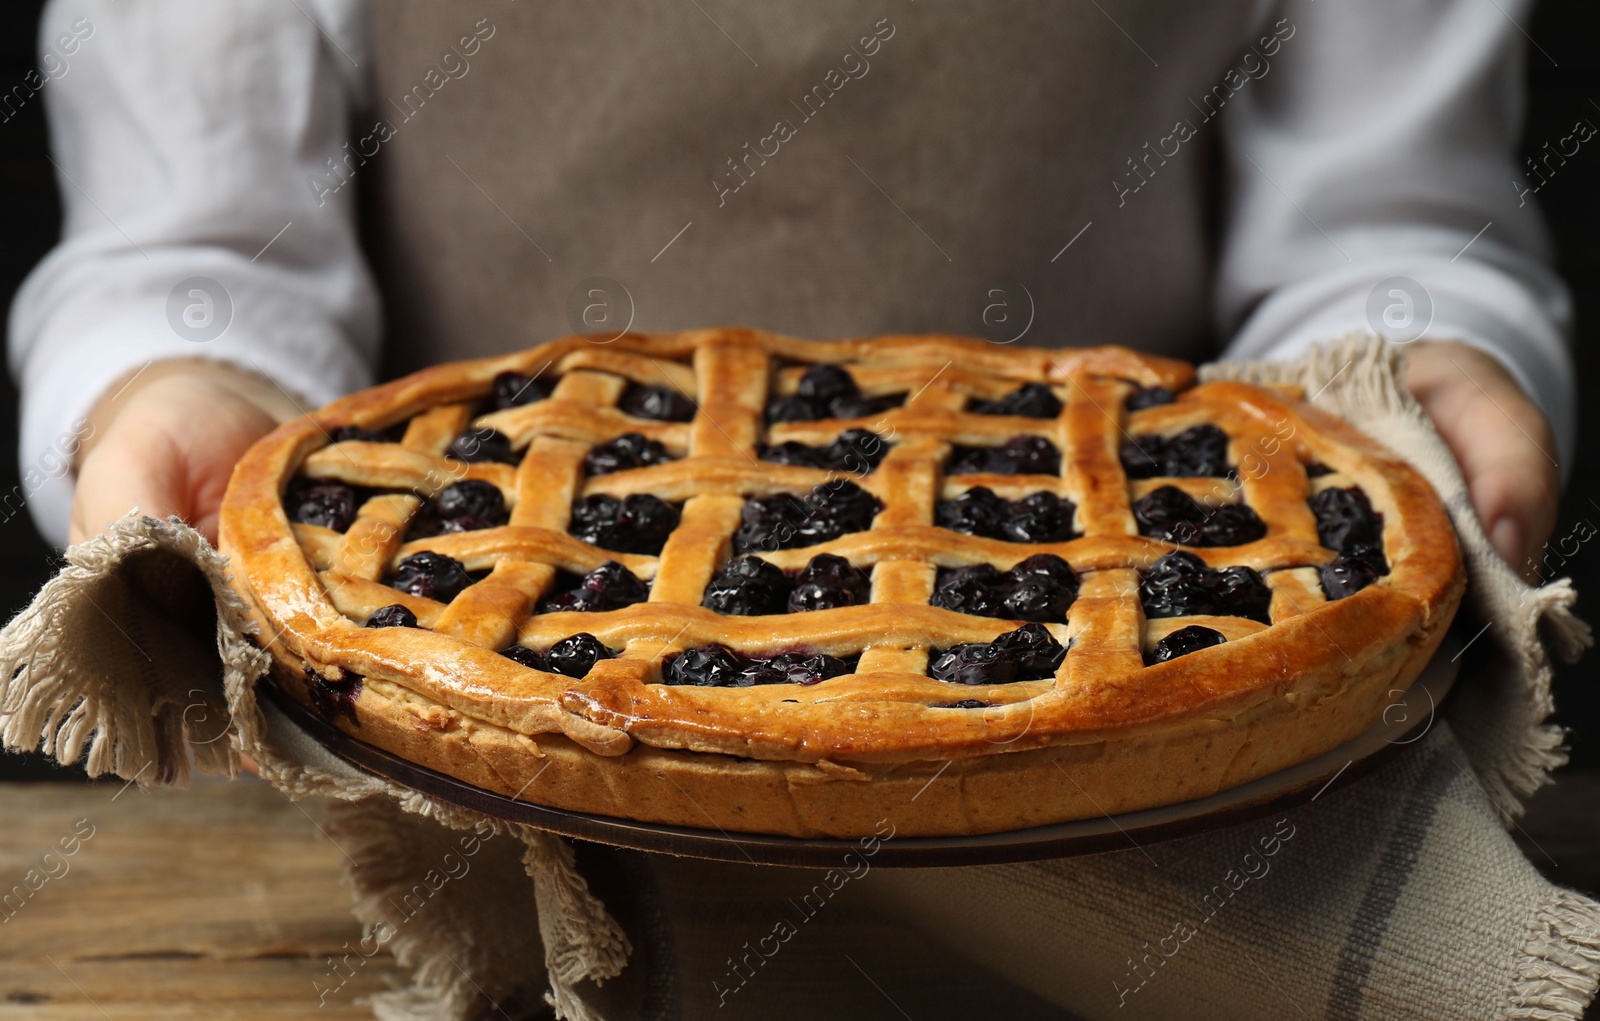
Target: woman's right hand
168	443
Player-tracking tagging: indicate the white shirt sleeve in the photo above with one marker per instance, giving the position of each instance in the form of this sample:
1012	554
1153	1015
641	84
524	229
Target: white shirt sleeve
1381	142
191	141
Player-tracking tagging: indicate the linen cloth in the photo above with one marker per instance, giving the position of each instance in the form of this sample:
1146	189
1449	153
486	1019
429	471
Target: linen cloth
1401	896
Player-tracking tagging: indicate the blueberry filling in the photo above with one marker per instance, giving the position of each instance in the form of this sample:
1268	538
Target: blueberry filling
749	586
1184	641
464	506
1193	453
828	391
1346	522
570	657
1316	469
793	668
321	502
828	582
639	523
1040	588
825	384
431	576
792	409
395	615
1020	455
333	699
477	446
524	655
1171	515
1346	575
1181	585
963	703
716	666
711	666
470	498
786	521
426	527
608	587
1031	400
661	403
1030	653
388	434
628	451
577	655
1041	517
513	389
1232	524
977	590
1148	397
978	511
856	451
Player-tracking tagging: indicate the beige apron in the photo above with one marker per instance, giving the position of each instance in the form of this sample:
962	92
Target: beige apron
820	168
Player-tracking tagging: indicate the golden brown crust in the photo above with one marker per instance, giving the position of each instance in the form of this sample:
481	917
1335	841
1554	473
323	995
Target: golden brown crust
830	759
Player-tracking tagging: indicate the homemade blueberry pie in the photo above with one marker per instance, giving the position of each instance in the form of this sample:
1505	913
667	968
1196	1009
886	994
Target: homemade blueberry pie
727	579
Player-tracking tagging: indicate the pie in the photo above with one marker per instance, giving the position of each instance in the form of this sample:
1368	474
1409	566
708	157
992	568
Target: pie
728	579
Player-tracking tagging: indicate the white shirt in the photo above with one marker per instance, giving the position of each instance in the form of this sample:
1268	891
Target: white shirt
183	144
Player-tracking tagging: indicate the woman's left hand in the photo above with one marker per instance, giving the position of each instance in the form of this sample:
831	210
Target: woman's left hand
1499	437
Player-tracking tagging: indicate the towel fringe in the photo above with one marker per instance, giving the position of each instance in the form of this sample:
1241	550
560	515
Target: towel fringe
1560	962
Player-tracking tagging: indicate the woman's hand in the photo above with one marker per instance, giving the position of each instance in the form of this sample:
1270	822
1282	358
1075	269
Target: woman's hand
168	443
1499	437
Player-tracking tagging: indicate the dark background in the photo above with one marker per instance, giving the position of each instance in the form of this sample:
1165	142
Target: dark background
1565	86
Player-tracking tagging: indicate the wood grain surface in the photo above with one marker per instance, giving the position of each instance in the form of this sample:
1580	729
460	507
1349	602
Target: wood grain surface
222	901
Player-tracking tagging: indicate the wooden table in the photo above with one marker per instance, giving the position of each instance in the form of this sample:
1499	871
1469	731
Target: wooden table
222	901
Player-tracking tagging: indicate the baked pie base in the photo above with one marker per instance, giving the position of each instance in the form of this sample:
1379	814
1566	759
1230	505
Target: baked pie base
1107	734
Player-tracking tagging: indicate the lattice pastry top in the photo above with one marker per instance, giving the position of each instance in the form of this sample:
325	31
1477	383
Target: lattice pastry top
905	549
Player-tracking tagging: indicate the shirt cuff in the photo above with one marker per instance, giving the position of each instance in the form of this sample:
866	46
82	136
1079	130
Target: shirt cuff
1474	304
